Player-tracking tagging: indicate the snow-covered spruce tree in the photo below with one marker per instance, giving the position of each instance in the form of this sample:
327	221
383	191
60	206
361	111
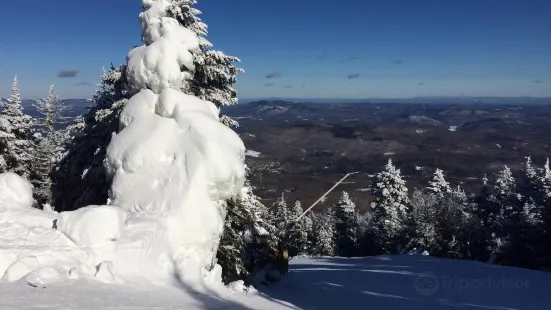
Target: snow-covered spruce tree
299	232
80	179
248	237
322	241
439	185
365	231
16	144
279	214
421	228
545	181
545	226
440	224
346	226
504	210
390	209
215	72
49	148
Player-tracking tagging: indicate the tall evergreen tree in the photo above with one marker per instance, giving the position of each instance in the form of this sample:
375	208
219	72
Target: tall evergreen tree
323	240
248	237
215	72
390	208
49	149
16	145
299	231
439	185
80	179
346	226
279	214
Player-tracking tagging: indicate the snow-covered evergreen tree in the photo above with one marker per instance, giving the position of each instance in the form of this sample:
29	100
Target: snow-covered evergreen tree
16	145
545	181
279	214
390	208
323	241
80	179
248	237
505	183
215	72
421	229
299	232
439	185
49	148
346	226
503	211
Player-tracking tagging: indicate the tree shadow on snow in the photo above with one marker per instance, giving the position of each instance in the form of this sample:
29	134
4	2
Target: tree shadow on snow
208	298
408	282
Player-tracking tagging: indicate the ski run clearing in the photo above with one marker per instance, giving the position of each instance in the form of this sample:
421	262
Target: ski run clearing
384	282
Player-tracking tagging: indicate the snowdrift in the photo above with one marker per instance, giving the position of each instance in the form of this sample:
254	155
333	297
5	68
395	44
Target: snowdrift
15	191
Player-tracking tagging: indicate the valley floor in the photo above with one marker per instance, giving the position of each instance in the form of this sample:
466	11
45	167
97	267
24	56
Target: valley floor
384	282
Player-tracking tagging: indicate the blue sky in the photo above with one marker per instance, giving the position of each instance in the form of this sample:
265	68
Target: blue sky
314	48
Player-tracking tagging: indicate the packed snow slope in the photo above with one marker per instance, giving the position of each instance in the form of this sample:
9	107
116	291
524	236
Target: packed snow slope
410	282
385	282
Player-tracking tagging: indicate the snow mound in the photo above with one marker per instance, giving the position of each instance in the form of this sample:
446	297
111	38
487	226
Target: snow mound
29	241
15	191
45	275
20	268
92	225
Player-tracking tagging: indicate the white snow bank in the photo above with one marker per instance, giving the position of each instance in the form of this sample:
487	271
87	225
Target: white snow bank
92	225
29	234
20	268
15	191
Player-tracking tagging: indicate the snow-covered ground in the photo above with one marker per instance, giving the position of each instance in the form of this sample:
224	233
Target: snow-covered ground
410	282
384	282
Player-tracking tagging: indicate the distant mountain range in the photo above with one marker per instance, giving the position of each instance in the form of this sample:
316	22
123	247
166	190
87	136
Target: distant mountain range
76	107
421	100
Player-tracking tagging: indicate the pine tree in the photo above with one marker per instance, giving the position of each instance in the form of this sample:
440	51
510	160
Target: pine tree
439	185
545	181
298	232
260	239
390	208
346	226
421	228
504	211
80	179
323	241
248	237
49	147
279	214
215	72
16	145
